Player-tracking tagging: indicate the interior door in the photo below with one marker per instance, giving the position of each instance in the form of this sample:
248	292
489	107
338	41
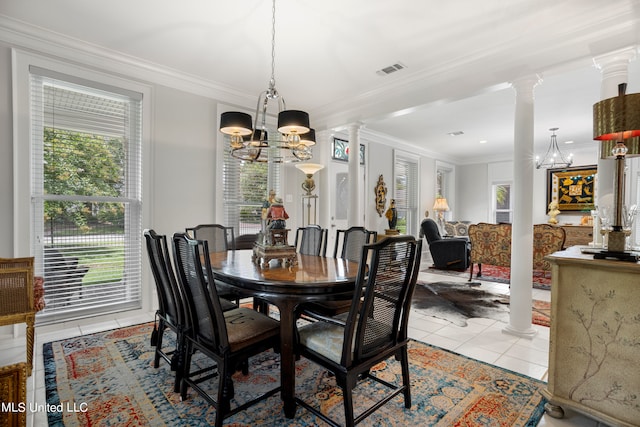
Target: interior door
340	200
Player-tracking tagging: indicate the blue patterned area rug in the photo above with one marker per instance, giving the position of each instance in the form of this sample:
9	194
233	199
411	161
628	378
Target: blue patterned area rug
108	379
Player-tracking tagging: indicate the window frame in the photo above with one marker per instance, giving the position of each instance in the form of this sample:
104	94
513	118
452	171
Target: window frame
24	232
494	201
412	163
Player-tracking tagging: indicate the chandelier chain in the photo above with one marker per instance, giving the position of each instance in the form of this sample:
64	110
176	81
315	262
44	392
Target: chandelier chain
272	82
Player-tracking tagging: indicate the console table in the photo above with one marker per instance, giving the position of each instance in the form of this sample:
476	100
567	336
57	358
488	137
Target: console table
595	335
577	235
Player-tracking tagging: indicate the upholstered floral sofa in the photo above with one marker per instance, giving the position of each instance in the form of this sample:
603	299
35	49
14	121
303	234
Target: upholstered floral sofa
491	244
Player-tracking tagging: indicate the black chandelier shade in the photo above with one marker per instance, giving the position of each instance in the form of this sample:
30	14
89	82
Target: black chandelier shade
308	138
293	121
235	123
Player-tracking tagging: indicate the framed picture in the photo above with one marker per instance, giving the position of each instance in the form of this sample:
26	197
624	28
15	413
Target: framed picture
340	150
572	188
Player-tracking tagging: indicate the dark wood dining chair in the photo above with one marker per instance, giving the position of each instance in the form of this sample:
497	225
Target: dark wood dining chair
311	240
228	338
348	245
349	242
375	328
220	238
171	311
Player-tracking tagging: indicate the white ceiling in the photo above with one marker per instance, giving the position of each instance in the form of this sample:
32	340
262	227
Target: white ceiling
460	58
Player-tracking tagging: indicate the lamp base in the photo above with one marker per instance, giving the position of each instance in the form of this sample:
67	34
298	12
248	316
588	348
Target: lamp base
622	256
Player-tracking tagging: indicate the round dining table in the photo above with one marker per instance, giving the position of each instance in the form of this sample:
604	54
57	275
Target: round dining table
311	278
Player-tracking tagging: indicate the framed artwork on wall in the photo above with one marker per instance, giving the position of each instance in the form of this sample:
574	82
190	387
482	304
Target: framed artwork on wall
573	189
340	150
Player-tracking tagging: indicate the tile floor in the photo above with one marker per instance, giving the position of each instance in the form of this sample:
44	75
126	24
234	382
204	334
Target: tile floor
482	339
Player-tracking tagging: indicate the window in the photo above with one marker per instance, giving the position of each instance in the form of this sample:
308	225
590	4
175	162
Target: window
86	194
246	186
406	194
502	203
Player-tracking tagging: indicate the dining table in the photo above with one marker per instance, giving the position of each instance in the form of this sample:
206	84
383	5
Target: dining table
287	286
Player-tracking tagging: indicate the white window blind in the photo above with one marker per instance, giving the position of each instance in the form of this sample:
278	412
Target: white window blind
406	194
86	195
246	187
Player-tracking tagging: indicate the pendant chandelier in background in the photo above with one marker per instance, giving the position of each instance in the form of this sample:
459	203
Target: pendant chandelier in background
554	158
294	137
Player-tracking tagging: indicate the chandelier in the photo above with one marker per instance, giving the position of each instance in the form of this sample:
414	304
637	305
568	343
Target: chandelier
554	157
294	138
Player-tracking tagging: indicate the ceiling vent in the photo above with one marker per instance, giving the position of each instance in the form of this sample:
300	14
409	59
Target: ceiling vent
391	69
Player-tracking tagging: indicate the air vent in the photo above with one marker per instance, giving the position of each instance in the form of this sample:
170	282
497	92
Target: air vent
456	133
391	69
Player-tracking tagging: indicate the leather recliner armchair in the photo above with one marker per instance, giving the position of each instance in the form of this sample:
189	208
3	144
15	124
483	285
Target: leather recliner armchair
447	253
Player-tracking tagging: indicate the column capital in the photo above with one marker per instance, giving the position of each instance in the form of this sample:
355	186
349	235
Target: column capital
615	61
524	86
355	126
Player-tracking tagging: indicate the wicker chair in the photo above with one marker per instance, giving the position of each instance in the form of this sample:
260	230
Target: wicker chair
227	338
16	298
375	328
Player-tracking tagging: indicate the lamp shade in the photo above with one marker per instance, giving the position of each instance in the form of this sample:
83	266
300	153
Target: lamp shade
618	117
441	204
235	123
293	121
309	168
257	138
308	138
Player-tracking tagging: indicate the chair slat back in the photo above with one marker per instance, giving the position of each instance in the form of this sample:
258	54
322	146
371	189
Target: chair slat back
218	237
387	283
204	310
169	297
349	243
311	240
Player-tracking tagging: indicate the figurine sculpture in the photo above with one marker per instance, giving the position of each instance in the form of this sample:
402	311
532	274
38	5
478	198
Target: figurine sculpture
277	215
553	213
392	215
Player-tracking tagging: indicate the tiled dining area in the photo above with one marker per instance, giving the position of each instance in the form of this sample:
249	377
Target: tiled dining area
482	339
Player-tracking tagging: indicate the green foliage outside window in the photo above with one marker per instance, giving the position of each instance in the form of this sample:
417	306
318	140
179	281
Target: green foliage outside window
83	164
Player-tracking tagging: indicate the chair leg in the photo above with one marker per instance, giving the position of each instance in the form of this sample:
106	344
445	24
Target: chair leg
188	351
404	361
156	360
225	390
347	392
178	359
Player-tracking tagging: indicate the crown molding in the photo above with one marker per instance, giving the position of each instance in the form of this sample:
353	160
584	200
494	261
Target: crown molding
41	41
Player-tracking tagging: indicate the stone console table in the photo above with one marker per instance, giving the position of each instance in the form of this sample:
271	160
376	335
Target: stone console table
594	351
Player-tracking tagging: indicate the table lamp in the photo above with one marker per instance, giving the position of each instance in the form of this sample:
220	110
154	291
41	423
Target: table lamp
618	119
440	206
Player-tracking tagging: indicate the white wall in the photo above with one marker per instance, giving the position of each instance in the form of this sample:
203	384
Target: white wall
185	181
6	155
473	192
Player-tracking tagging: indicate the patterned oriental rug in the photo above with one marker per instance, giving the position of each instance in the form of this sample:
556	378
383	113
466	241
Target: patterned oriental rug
458	301
493	273
109	376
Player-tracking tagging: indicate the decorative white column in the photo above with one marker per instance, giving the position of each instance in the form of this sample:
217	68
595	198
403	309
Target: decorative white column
521	294
354	215
614	67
